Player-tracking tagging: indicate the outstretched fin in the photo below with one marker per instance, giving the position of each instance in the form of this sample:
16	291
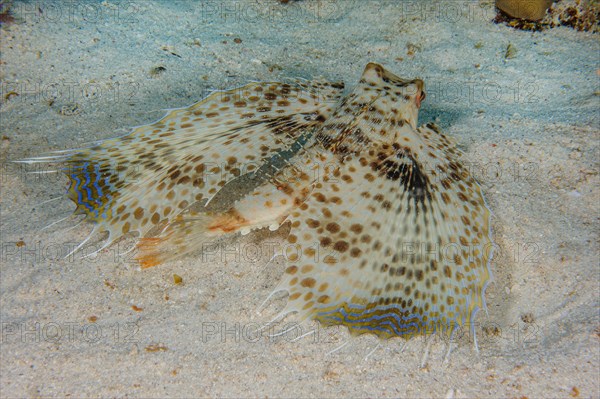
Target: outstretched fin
389	250
396	241
143	181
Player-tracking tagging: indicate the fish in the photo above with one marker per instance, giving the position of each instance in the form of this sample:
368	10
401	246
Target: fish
393	232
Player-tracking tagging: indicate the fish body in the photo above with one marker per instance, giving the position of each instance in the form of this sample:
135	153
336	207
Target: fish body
393	233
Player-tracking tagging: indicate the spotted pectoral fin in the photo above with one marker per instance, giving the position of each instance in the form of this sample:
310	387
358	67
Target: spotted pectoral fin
144	180
434	135
388	250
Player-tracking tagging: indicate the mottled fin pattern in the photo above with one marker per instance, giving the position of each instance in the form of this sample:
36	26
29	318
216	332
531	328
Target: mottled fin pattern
392	232
147	181
396	241
388	247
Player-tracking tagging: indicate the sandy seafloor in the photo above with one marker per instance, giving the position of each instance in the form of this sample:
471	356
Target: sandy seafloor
528	125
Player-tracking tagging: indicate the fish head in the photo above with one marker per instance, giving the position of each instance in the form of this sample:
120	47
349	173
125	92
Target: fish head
391	96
